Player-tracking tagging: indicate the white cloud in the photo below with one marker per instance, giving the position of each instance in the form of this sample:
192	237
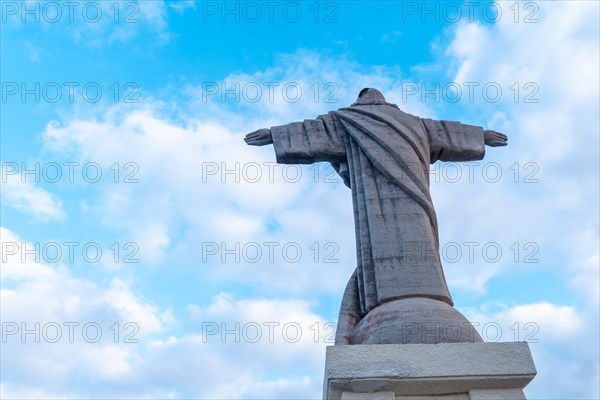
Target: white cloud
58	328
95	25
537	322
20	193
298	86
182	5
52	360
562	340
34	51
8	392
269	335
34	289
154	239
565	74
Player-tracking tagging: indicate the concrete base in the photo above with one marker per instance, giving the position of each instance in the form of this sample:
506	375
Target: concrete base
443	371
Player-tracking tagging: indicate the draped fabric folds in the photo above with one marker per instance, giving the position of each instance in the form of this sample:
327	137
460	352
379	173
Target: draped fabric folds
383	154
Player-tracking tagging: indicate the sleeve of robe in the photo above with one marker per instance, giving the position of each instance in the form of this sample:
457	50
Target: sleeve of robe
453	141
310	141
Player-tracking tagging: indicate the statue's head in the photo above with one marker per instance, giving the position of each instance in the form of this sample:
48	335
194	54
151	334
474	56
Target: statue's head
370	96
370	93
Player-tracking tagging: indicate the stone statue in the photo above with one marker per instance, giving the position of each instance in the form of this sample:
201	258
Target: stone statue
398	293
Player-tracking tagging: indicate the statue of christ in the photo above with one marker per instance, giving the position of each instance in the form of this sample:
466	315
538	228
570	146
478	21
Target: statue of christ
383	155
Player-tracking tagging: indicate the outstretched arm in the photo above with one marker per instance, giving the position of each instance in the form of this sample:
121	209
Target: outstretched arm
494	139
306	142
454	141
261	137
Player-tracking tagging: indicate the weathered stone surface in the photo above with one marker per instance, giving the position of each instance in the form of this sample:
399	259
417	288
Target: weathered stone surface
497	394
414	320
369	396
494	394
469	369
461	396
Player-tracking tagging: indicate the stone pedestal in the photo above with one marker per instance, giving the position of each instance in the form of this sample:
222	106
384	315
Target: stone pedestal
443	371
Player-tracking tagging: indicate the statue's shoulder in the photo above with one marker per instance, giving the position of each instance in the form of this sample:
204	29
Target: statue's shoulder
373	108
387	111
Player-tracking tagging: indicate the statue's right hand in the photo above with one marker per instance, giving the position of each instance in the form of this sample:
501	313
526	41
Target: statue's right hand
260	137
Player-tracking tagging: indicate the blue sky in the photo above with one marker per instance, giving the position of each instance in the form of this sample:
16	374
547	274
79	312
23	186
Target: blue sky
155	121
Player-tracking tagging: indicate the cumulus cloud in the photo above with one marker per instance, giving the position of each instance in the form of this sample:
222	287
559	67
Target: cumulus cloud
19	192
273	334
561	339
58	329
37	290
98	24
59	332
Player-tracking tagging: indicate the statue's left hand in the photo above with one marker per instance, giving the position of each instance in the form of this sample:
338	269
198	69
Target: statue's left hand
494	139
260	137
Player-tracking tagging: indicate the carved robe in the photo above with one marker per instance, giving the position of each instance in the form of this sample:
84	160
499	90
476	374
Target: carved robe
384	154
